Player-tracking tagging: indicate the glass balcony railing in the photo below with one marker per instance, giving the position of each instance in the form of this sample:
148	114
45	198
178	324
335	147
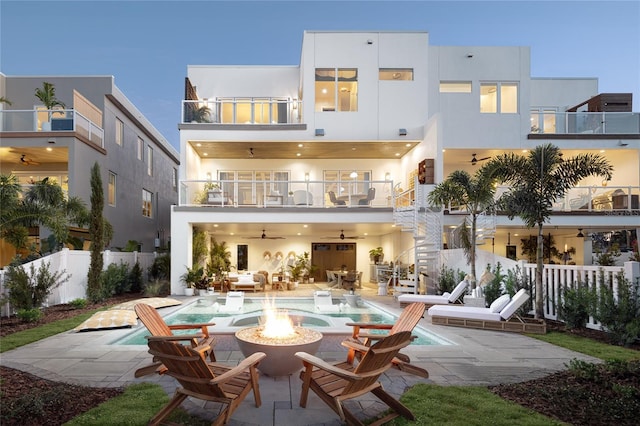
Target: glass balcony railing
585	122
243	111
57	120
302	194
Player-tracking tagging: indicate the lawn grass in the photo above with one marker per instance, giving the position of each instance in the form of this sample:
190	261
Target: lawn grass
588	346
21	338
136	406
464	406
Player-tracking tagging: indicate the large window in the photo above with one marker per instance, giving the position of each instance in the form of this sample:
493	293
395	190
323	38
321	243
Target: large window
147	203
499	97
149	161
344	182
336	89
397	74
455	87
112	189
543	120
174	178
252	187
119	131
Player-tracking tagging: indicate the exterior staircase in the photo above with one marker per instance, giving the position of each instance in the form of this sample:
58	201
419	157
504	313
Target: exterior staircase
412	214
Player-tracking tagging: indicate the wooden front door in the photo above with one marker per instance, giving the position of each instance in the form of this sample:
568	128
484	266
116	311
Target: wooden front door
332	256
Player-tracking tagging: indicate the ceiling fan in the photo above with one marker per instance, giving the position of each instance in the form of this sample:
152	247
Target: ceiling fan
28	161
343	237
474	159
264	237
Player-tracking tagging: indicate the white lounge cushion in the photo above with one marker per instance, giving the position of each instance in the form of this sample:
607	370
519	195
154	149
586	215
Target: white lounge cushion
234	302
429	299
457	292
468	312
516	302
499	304
112	318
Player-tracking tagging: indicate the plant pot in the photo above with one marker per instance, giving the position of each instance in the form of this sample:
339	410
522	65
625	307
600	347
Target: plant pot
46	126
311	280
188	291
291	285
202	292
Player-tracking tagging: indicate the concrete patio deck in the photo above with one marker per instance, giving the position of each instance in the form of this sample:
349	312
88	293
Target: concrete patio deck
475	357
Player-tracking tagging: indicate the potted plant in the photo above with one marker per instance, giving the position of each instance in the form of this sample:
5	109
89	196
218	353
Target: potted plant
201	114
190	279
376	254
219	260
47	95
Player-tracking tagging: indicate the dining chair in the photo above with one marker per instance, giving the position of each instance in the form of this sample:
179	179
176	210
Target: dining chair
371	194
335	201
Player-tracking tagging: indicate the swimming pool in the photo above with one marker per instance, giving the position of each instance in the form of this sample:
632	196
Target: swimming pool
301	311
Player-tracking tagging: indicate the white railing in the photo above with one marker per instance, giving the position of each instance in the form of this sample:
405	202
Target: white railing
555	277
289	193
585	123
56	120
269	110
75	264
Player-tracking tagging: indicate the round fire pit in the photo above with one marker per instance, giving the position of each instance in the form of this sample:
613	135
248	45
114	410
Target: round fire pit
280	360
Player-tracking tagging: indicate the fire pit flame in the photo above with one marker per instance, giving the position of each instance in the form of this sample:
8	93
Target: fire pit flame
276	323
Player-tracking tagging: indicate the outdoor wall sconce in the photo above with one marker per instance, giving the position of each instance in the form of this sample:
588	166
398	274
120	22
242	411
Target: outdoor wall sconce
306	177
402	132
319	132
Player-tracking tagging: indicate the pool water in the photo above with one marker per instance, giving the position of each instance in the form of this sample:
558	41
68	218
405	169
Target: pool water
301	311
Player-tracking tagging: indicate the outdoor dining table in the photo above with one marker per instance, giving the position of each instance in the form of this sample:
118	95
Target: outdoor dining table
352	199
340	275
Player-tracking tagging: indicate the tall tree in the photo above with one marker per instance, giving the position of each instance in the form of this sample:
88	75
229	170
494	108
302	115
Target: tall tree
96	233
475	193
537	180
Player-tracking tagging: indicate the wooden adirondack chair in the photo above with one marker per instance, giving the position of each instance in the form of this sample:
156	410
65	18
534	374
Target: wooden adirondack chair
201	342
336	383
407	321
207	381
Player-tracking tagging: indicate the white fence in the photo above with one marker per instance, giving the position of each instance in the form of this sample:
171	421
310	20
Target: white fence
555	278
75	264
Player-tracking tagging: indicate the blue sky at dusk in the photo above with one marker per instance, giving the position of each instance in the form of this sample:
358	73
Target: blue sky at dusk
147	45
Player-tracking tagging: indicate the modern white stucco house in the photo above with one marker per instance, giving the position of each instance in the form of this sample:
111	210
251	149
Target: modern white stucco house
388	111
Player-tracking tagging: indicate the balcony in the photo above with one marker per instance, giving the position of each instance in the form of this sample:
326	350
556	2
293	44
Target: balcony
50	121
243	111
281	194
584	124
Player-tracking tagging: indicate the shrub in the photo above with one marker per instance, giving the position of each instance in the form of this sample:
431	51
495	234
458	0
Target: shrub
135	278
448	279
620	317
78	303
574	305
494	289
161	268
115	279
30	290
29	315
157	288
515	281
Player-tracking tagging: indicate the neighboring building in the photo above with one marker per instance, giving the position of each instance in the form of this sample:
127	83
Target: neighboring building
264	150
139	167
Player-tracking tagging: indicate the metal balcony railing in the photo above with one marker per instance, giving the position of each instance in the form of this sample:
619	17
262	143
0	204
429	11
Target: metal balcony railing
56	120
270	110
585	122
272	193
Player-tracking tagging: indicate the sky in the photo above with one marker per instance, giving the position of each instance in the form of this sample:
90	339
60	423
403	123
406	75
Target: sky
147	45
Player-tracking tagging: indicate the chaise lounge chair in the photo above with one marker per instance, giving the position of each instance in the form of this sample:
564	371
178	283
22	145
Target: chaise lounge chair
499	316
234	303
323	302
431	300
337	383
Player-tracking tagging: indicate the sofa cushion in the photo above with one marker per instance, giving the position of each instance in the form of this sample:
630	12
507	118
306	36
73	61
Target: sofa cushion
498	304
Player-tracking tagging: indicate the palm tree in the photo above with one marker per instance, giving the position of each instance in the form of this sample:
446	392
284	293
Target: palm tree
537	180
47	95
4	100
475	193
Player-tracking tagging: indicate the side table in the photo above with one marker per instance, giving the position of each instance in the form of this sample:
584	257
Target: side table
478	302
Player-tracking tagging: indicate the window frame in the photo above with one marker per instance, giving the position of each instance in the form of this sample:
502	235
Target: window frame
451	84
140	149
498	97
147	203
119	136
395	74
112	188
149	160
335	84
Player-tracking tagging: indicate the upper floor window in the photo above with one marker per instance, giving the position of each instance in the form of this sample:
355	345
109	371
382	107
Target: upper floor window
149	161
147	203
499	97
111	196
119	131
395	74
140	148
455	87
543	120
174	178
336	89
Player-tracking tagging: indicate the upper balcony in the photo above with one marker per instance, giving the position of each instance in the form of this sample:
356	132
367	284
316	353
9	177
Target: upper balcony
243	111
547	125
23	123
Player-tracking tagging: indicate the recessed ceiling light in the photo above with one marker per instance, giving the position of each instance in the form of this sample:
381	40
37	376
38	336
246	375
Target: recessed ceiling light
397	154
305	226
300	145
299	234
49	149
365	234
408	145
198	144
215	225
298	154
602	150
231	233
444	150
205	153
353	149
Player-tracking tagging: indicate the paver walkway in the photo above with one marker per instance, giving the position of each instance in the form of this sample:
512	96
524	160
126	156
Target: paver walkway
475	357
